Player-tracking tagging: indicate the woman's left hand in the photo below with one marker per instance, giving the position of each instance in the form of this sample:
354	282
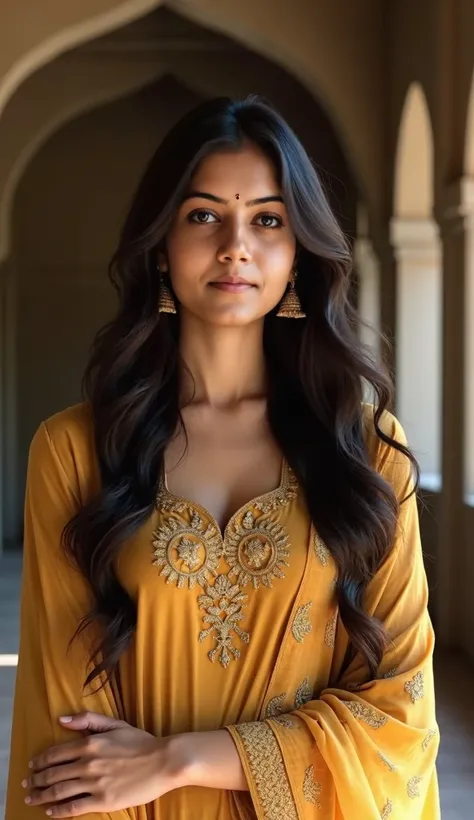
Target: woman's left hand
115	767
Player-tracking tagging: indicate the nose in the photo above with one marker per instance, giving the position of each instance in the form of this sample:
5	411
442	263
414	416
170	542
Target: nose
234	246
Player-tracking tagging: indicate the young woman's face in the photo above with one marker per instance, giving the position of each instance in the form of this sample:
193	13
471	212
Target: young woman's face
230	254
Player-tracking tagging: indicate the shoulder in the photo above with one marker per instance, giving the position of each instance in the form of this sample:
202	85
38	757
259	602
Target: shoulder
394	465
64	443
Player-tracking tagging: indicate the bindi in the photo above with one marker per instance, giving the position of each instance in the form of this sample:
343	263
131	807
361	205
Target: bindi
237	196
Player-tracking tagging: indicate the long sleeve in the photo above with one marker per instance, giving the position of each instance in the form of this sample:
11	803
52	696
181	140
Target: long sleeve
53	600
363	749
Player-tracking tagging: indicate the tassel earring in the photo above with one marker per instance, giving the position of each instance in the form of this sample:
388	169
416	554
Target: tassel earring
166	302
290	305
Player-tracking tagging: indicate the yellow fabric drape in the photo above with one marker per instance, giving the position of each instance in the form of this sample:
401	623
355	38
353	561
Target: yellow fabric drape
364	749
313	745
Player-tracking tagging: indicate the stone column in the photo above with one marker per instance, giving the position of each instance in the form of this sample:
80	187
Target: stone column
418	319
367	267
454	592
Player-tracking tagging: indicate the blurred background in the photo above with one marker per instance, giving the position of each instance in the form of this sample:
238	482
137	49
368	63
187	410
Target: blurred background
381	92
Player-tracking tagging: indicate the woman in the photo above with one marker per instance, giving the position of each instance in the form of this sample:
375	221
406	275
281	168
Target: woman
223	590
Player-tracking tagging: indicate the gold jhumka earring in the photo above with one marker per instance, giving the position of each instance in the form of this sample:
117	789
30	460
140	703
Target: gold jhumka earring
166	303
290	305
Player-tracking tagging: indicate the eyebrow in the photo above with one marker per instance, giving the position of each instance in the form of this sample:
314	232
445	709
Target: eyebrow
251	202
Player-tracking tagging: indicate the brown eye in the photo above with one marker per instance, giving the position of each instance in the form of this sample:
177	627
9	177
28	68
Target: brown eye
269	221
202	217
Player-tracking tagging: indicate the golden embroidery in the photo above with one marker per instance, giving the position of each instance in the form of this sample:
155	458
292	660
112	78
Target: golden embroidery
287	491
392	673
387	762
302	624
321	550
303	694
198	549
288	721
367	714
330	631
311	788
274	706
268	771
256	550
223	605
416	687
412	787
429	737
387	810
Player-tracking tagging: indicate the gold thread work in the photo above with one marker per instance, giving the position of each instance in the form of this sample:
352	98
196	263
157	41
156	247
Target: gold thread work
429	737
274	706
311	788
387	810
301	624
387	762
412	787
330	631
416	687
188	547
268	771
321	550
366	714
303	694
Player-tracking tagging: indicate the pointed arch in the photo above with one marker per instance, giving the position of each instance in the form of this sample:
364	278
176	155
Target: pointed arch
414	165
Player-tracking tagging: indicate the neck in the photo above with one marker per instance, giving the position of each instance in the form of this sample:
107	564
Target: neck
227	364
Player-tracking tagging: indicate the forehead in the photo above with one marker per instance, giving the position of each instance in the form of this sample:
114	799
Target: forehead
247	171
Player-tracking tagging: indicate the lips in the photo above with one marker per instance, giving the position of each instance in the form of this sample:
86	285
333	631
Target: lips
236	285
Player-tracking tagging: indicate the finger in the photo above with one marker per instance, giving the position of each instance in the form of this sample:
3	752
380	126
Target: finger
91	721
55	774
60	791
65	753
76	807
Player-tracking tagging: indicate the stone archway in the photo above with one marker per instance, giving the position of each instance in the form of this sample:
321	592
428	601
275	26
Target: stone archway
415	239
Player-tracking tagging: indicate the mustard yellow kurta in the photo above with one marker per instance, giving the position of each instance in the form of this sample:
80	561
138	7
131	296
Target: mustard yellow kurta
236	630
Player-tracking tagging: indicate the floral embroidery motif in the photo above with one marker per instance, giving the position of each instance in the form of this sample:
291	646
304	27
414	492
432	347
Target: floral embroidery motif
255	548
367	714
387	762
223	605
321	550
412	787
303	694
330	631
268	770
387	810
392	673
288	721
311	788
429	737
274	706
302	625
416	687
197	548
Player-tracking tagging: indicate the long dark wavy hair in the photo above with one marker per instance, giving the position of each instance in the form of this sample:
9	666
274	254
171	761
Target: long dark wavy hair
316	371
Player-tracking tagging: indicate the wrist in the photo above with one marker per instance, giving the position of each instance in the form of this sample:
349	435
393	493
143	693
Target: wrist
180	758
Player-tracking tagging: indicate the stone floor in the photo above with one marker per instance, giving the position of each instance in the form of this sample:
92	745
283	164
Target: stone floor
455	689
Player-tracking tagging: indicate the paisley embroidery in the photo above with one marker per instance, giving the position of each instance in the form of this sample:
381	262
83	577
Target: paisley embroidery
387	810
255	548
274	706
223	605
302	624
311	788
321	550
412	787
303	694
416	687
387	762
330	631
366	713
429	737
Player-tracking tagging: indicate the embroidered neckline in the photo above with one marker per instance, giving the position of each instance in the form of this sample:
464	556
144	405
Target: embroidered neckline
266	502
188	545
